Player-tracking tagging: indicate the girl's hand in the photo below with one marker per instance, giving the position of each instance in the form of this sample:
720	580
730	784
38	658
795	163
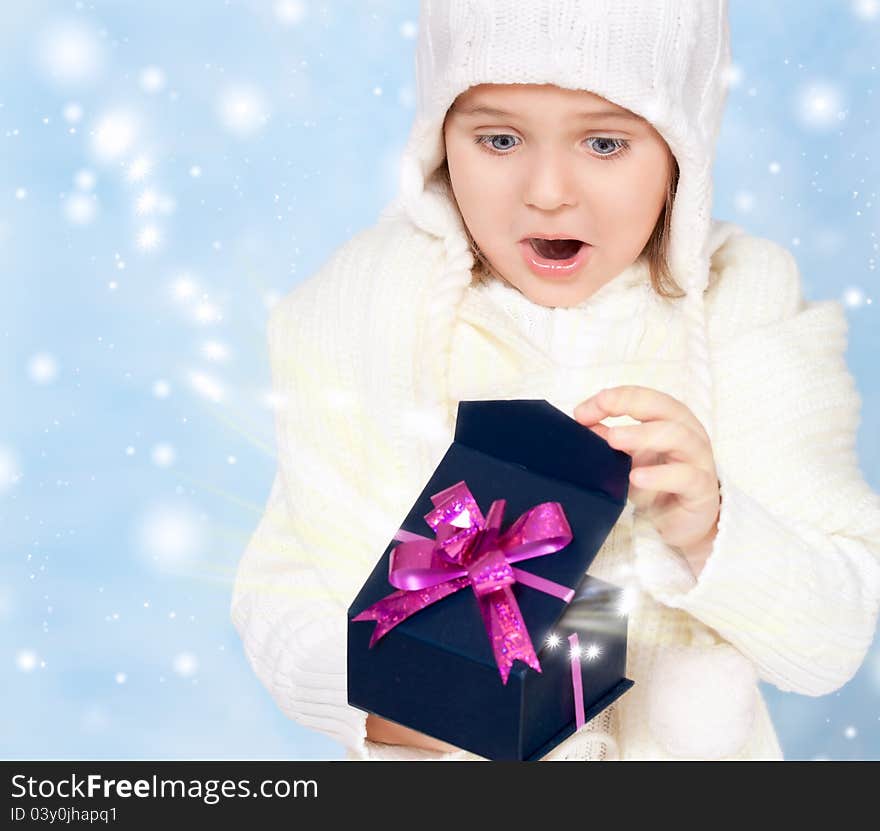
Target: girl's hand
389	732
673	477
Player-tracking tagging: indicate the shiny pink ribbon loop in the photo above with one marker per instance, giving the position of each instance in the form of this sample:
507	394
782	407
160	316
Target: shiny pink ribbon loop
469	550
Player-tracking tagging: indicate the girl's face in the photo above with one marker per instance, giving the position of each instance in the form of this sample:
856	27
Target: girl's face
555	161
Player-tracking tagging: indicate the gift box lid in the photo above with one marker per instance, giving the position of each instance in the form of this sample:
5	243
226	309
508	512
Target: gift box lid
534	434
525	451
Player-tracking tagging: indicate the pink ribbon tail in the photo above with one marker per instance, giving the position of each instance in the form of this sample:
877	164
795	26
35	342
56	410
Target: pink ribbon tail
576	680
542	584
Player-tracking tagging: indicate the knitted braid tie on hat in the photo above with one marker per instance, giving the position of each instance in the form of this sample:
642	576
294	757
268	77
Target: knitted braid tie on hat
667	61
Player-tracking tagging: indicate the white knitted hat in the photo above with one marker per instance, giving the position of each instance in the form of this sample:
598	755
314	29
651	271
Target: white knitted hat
667	61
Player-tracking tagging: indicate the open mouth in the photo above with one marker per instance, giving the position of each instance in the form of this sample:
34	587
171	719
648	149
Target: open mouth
555	249
556	258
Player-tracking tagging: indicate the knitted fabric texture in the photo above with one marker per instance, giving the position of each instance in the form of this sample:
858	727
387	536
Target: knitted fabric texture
368	367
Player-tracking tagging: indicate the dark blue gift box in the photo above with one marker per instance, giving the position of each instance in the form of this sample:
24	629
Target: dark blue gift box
435	672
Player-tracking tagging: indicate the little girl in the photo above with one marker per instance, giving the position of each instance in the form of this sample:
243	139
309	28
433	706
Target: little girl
553	239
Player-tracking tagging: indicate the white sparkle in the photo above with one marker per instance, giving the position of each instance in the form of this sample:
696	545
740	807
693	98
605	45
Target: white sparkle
163	455
26	660
184	288
147	202
207	313
733	76
408	29
42	368
70	53
853	298
121	677
230	460
195	171
72	112
866	9
80	208
168	536
744	201
185	664
629	598
21	193
553	640
148	238
820	105
84	180
850	732
114	135
152	79
161	389
289	12
139	169
207	386
243	109
9	469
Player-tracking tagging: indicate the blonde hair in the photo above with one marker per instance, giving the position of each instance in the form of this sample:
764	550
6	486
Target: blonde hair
655	251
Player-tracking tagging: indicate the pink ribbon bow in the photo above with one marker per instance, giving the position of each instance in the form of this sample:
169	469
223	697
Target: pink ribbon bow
469	550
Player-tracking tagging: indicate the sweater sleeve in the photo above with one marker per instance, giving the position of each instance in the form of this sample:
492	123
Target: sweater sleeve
793	578
293	637
302	567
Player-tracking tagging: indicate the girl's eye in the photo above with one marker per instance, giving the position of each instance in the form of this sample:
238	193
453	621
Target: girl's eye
619	148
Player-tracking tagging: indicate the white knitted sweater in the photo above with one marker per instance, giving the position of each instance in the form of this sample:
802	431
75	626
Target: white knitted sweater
359	361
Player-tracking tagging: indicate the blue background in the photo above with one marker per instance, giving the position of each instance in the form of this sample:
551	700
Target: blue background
170	169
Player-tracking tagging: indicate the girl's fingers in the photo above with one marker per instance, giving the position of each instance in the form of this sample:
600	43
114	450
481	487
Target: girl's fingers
639	403
690	483
675	440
